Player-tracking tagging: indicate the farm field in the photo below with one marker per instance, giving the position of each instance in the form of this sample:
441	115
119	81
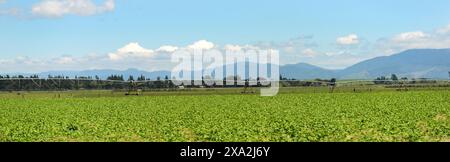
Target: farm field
377	116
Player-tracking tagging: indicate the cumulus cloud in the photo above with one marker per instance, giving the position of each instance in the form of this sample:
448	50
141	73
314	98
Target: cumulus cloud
135	50
348	40
440	38
168	49
131	55
202	44
230	47
409	36
131	50
59	8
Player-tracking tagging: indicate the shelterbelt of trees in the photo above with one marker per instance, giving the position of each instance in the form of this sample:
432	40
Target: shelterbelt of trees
34	82
118	82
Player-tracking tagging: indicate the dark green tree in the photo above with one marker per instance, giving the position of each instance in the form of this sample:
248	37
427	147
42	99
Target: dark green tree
394	77
131	78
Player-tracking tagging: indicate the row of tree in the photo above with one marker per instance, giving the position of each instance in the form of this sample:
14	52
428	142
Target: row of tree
77	84
403	80
19	82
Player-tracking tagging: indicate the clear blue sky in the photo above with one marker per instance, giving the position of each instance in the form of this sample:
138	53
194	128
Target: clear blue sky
182	22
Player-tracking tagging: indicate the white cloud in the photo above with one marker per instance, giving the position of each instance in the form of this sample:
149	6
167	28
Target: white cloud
289	49
439	38
134	50
348	40
23	60
109	5
59	8
202	44
335	53
409	36
131	50
4	61
168	49
444	30
230	47
309	52
64	60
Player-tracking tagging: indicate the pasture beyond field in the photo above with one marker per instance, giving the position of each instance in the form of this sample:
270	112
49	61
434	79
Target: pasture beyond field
377	116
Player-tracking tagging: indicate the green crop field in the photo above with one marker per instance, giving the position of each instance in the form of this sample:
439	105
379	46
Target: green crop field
376	116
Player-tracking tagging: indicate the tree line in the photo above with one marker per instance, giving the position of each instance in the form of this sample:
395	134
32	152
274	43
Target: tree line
394	79
60	82
112	82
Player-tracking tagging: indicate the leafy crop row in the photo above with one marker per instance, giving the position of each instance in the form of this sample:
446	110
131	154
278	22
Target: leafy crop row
384	116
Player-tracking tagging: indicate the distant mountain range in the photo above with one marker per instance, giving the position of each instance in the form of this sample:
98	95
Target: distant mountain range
417	63
426	63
